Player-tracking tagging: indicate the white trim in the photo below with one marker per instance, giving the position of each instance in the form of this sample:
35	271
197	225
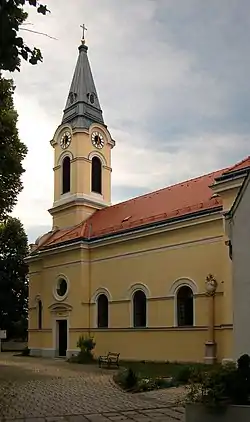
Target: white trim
84	245
68	200
99	155
161	228
137	286
56	296
100	291
94	299
104	130
184	282
58	132
70	175
63	155
55	333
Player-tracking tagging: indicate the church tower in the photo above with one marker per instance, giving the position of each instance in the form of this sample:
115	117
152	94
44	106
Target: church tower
82	151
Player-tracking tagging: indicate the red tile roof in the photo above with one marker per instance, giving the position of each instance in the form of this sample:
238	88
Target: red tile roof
239	166
174	201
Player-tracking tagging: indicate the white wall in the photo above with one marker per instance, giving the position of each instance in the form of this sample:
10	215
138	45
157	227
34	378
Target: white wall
240	238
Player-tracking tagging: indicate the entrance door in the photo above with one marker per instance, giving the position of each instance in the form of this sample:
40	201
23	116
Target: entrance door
62	336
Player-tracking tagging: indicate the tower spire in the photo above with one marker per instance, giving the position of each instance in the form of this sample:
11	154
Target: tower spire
82	105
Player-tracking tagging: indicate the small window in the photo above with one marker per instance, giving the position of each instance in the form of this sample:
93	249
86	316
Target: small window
62	287
40	314
102	311
185	306
96	178
139	309
66	175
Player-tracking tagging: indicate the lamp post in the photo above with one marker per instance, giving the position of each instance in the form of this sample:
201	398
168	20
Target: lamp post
210	345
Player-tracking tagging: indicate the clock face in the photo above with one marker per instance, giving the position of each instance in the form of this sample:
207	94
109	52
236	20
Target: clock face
97	140
65	139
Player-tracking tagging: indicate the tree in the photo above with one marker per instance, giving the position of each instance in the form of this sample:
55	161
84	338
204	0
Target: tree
12	46
13	278
12	150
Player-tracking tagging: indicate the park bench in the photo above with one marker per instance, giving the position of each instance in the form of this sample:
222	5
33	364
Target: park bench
111	359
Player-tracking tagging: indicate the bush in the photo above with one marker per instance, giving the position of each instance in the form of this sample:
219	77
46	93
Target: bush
86	345
130	380
127	379
226	384
184	374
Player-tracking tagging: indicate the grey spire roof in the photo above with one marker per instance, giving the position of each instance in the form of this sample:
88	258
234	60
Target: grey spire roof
82	106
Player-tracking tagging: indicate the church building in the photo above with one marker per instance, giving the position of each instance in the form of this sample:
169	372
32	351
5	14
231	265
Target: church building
149	278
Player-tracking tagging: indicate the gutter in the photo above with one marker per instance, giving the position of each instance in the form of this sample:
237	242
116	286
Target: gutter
236	173
136	229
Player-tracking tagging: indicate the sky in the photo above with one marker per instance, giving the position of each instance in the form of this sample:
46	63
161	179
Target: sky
173	81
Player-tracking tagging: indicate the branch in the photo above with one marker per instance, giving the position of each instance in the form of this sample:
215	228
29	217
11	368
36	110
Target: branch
40	33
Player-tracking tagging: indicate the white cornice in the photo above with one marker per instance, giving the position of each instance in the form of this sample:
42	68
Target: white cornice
227	184
68	201
149	231
124	237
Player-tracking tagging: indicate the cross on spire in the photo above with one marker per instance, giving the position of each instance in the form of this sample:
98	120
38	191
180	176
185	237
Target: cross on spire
83	29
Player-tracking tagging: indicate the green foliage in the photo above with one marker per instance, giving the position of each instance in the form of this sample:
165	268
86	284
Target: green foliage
86	346
12	150
227	384
134	382
12	46
13	279
127	379
130	379
184	374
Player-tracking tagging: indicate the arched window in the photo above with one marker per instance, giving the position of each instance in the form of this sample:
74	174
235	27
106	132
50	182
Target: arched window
66	175
40	314
96	179
102	311
185	306
139	309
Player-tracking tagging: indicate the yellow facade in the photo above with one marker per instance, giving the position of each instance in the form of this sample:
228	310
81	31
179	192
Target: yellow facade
157	261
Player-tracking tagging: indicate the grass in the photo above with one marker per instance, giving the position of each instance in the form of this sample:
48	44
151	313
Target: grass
146	376
162	369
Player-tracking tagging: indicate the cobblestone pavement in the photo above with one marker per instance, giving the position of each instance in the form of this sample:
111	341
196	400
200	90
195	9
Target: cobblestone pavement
51	390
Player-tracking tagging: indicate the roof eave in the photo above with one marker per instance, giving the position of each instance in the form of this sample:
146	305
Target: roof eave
89	240
232	174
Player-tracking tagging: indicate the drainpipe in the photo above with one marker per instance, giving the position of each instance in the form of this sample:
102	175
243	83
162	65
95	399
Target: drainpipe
89	290
210	344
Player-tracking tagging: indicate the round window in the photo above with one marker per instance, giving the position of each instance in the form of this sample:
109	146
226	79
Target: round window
62	287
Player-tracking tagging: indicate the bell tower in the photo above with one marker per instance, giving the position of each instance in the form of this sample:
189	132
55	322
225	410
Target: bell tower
82	151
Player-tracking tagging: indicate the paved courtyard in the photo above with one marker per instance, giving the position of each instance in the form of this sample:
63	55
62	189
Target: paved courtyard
55	391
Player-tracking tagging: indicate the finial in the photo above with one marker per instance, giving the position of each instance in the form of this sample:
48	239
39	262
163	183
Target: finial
83	29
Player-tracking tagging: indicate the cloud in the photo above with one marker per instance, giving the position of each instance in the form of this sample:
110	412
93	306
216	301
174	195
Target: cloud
172	78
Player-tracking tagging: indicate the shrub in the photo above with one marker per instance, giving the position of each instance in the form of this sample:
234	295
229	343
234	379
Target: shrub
131	379
127	379
184	374
86	345
226	384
